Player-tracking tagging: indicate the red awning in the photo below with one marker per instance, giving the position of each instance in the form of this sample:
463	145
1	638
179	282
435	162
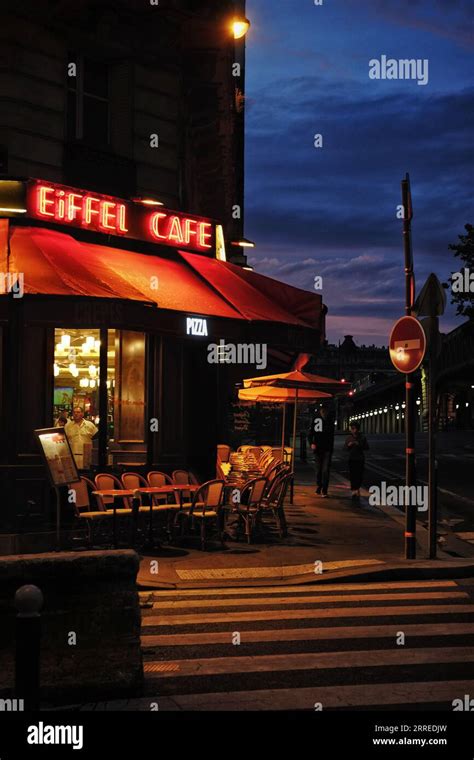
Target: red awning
55	263
258	297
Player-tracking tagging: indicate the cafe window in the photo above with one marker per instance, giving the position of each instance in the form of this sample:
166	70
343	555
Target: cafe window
77	383
87	100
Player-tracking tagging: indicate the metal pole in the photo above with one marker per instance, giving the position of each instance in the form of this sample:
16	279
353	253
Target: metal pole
293	456
58	519
283	432
410	473
28	602
432	464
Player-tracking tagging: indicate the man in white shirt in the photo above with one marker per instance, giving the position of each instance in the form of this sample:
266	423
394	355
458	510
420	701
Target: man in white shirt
80	433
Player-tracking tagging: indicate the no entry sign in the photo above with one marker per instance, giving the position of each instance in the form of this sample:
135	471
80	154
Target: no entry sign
407	345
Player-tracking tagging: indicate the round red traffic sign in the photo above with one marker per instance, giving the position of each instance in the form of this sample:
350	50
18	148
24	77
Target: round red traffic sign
407	345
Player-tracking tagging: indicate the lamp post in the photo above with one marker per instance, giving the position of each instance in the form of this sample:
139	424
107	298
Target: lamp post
239	27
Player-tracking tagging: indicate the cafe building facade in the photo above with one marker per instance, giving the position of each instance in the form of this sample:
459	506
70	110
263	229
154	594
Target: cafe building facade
121	211
115	306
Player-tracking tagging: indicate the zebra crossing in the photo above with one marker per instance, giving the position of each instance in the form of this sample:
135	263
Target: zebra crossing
400	645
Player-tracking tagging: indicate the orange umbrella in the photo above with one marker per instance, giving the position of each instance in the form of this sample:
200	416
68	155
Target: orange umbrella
298	379
275	394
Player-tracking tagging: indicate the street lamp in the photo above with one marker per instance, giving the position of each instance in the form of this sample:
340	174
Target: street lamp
240	27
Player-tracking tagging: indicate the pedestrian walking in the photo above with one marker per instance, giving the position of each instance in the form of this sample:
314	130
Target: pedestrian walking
356	443
321	440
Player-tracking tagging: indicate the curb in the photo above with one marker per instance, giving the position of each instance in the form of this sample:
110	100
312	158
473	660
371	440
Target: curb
393	571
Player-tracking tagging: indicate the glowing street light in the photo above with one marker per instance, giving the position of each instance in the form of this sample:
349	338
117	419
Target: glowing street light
240	27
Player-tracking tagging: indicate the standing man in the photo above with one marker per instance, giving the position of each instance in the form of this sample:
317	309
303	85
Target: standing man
321	440
80	433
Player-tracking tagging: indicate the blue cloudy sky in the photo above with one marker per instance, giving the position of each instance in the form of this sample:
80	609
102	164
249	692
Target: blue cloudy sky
332	211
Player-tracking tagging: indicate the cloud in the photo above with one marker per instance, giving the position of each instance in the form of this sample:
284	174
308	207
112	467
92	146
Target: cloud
332	212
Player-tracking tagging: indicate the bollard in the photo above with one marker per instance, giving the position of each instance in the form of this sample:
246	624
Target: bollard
28	602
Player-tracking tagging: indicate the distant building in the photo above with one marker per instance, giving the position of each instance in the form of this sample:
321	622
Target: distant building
378	402
359	366
350	362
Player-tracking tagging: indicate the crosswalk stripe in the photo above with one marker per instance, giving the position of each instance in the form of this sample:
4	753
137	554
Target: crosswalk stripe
319	599
309	634
329	697
253	616
374	658
309	589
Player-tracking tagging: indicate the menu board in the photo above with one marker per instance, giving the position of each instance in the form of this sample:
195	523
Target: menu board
58	456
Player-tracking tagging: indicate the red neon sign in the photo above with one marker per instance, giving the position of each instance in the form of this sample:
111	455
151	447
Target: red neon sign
113	216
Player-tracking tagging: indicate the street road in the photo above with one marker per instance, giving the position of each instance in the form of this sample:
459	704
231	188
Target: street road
385	461
405	645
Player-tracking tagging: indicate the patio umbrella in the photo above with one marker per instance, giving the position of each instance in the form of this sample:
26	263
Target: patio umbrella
276	395
301	380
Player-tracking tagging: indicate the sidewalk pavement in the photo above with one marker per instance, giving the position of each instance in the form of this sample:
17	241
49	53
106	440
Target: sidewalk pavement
329	540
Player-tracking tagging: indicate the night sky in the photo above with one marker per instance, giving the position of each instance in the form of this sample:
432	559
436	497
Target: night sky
331	212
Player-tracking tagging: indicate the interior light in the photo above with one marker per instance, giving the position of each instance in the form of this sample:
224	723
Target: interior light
92	383
65	341
56	370
92	370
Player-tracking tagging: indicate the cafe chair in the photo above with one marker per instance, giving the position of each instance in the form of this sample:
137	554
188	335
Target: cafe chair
249	507
82	507
104	481
132	480
273	503
275	470
184	478
158	502
268	466
205	508
223	452
277	454
157	479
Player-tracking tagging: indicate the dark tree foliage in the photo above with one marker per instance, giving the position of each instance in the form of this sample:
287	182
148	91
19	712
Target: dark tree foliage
462	289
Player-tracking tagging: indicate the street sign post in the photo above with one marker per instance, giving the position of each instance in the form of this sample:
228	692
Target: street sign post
407	345
431	304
